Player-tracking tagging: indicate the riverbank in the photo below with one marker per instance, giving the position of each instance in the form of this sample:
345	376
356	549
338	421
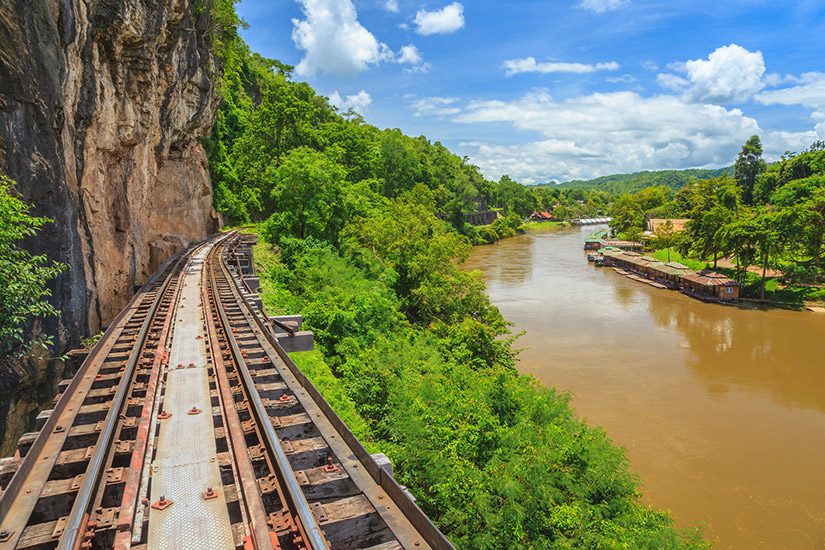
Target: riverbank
776	294
715	406
541	227
443	400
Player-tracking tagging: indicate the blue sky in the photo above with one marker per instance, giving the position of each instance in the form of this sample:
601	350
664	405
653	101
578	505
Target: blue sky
552	90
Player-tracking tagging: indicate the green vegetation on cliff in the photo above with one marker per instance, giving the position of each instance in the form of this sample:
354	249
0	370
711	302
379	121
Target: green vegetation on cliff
362	231
23	276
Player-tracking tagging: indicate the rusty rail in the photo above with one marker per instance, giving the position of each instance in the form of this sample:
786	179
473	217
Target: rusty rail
293	476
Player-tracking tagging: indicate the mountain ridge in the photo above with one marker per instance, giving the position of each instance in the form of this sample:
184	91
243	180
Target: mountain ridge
636	181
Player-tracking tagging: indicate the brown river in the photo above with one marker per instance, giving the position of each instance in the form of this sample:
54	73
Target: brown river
721	409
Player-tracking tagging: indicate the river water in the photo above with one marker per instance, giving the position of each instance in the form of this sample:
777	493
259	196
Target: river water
721	409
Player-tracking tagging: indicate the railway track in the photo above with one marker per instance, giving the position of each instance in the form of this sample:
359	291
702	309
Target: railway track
188	426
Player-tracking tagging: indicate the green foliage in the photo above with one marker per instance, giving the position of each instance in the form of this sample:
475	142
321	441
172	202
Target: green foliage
632	183
514	197
712	203
23	277
313	365
495	459
307	194
364	230
91	341
629	211
507	226
749	165
784	228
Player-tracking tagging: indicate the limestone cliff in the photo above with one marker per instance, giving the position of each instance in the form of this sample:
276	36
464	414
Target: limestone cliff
102	103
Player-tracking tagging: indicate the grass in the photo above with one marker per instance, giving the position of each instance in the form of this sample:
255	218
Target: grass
662	256
545	226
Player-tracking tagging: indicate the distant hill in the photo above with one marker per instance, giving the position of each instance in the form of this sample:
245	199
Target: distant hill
630	183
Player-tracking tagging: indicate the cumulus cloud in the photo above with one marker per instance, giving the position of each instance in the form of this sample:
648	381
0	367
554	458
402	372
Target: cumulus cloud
606	133
730	74
391	6
412	56
672	82
435	106
409	54
333	40
530	65
356	102
447	20
602	6
809	92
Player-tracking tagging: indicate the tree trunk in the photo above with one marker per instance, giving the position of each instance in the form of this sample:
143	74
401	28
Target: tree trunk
764	275
715	258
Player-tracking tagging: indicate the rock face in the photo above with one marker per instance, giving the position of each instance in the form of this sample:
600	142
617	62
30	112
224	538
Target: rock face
102	103
101	107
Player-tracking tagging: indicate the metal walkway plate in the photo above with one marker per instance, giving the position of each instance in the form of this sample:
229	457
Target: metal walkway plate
185	464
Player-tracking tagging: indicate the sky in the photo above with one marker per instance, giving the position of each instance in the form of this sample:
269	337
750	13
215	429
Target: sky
560	90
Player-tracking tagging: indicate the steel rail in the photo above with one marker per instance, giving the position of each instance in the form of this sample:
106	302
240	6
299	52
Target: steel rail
131	490
247	482
314	534
79	514
420	521
113	332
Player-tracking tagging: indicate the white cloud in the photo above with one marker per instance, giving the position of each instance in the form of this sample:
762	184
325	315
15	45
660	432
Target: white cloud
607	133
356	102
779	142
624	79
602	6
810	92
409	54
435	106
391	6
672	82
530	65
422	68
447	20
730	74
334	41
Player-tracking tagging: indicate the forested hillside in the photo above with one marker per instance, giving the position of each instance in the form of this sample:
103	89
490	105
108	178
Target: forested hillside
362	232
631	183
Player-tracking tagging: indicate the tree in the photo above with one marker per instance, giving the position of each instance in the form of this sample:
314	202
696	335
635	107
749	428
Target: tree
307	195
772	230
805	198
756	236
399	166
748	166
627	213
23	276
514	197
714	203
665	236
738	238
